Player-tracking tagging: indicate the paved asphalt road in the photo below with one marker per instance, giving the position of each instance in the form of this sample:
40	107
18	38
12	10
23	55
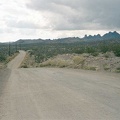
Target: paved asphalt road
57	94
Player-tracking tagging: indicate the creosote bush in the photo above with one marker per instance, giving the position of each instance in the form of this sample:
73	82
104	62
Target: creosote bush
78	59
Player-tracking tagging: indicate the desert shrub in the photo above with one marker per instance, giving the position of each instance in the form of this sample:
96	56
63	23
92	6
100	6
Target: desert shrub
47	63
57	63
24	66
104	48
2	58
62	63
90	68
95	54
106	55
78	59
89	49
106	67
117	52
118	70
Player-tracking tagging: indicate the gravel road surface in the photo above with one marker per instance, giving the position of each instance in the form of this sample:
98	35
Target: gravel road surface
57	94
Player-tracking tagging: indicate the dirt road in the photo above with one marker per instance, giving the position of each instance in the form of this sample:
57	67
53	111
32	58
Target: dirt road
58	94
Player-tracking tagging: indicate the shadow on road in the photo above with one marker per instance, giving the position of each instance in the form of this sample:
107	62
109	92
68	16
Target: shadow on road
4	77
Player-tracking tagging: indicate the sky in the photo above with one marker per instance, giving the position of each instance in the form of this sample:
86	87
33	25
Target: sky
51	19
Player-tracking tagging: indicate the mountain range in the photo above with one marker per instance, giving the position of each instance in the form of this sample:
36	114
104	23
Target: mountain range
108	36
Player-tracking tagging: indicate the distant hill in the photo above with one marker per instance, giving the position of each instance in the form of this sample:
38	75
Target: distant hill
111	35
108	36
29	41
90	37
60	40
67	40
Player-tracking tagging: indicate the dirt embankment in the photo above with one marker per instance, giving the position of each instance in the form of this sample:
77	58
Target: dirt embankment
102	62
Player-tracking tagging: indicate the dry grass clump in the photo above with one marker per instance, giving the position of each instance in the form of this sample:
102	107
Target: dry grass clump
118	70
58	63
90	68
106	67
24	65
78	59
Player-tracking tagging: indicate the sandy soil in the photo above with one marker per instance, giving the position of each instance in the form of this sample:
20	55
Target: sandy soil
58	94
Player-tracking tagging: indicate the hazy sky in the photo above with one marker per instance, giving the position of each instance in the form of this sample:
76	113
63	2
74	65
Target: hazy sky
57	18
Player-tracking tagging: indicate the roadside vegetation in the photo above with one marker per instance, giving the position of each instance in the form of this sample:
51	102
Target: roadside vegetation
44	51
7	53
91	55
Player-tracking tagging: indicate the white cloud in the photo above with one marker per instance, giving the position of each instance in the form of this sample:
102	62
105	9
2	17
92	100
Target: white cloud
80	14
57	18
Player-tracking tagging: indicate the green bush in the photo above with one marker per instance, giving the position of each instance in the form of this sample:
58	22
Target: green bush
117	52
2	58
